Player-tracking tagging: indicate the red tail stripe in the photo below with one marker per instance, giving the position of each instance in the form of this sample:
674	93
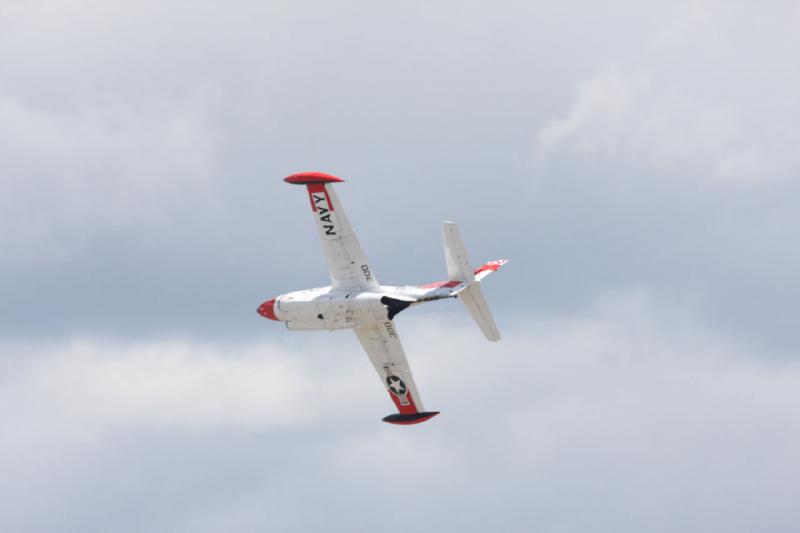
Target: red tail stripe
488	266
437	284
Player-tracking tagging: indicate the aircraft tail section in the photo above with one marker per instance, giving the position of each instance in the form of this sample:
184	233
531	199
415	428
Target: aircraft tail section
468	290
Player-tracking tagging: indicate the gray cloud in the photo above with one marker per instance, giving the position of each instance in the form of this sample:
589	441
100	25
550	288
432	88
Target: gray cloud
142	163
181	122
680	160
631	413
637	163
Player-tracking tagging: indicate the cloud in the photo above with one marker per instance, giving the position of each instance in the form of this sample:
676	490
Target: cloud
631	412
705	100
639	118
72	177
672	165
143	146
603	102
647	374
176	384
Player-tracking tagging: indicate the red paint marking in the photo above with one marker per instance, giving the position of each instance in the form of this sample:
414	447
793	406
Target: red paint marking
491	265
438	284
314	188
267	310
318	188
484	268
305	178
408	409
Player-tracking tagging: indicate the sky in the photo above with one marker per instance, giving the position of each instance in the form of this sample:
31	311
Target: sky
637	163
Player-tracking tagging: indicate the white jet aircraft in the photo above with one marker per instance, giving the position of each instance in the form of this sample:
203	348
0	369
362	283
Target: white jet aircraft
356	301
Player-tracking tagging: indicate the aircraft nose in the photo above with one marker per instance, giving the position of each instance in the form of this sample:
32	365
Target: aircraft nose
267	309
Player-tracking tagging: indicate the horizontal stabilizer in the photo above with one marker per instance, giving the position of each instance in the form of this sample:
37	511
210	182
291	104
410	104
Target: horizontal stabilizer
473	299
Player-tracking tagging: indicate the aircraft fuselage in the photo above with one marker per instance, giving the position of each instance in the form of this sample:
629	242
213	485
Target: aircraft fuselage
328	308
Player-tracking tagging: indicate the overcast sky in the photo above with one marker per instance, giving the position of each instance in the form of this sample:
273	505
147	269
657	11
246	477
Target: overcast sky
637	163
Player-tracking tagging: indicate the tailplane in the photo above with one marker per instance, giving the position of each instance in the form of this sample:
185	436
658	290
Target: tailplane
472	297
459	269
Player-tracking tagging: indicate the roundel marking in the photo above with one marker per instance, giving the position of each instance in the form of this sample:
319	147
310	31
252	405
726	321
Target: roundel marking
396	385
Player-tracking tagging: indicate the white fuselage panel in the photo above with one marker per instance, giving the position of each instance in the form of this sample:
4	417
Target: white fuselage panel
327	308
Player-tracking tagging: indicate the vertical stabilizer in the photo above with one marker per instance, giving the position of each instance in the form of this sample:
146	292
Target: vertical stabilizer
455	254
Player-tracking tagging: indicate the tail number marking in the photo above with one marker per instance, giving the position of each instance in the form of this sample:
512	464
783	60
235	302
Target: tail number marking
367	273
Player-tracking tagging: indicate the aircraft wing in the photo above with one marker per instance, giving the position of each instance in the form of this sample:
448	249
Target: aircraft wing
386	353
346	261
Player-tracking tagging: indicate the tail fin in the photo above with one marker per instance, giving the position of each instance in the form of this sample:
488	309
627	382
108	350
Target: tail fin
459	269
455	254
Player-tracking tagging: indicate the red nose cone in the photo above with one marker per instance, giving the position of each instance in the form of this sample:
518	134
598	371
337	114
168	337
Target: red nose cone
267	310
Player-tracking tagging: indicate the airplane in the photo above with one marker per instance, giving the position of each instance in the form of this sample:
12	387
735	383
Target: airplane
355	300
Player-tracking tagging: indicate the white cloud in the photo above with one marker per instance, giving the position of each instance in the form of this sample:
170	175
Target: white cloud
69	176
632	413
708	99
138	117
604	101
175	385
